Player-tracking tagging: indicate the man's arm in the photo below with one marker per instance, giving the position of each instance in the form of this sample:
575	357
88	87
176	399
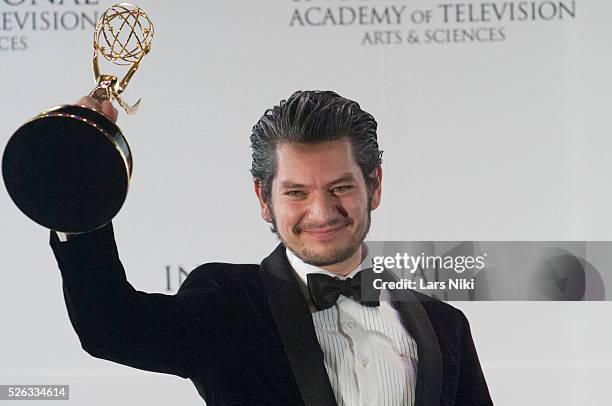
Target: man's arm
114	321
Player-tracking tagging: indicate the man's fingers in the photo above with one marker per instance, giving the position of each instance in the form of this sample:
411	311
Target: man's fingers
106	107
109	110
90	102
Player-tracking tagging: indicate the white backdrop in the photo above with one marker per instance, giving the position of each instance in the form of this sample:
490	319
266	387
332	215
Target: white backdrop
484	140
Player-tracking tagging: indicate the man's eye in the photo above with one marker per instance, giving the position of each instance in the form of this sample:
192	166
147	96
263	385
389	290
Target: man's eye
340	189
294	193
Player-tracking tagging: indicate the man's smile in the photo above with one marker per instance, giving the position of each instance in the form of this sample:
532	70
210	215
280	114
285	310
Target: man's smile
325	234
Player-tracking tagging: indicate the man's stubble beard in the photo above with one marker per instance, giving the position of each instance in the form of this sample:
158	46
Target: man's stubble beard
339	255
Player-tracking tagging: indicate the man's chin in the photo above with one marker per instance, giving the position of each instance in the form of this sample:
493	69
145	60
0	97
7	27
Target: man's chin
325	257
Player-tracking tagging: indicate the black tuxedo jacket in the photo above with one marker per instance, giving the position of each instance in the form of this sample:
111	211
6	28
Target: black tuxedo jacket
243	334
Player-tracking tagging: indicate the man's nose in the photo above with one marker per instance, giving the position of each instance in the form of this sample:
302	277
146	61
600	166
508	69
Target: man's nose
323	208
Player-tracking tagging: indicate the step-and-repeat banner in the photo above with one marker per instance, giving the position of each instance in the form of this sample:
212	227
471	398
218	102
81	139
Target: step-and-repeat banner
494	117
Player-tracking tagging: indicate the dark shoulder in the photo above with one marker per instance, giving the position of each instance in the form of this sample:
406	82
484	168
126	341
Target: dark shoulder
438	308
221	275
235	289
448	321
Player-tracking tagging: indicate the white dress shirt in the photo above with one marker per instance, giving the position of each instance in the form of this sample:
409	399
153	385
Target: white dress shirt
370	358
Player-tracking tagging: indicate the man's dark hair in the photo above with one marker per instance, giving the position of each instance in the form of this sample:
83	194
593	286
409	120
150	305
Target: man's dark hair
310	117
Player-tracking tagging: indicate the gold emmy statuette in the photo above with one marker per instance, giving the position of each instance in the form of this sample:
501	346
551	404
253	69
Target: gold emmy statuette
69	168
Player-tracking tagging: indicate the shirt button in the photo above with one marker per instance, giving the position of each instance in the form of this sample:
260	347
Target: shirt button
349	324
365	362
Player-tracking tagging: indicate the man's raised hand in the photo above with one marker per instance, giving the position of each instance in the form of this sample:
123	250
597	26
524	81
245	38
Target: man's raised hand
106	107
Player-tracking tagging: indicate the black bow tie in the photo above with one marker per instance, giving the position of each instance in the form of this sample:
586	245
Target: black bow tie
325	290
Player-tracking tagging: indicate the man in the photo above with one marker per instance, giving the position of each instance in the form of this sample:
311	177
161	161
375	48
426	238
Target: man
295	330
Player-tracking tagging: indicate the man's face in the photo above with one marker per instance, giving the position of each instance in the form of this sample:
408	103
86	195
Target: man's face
319	201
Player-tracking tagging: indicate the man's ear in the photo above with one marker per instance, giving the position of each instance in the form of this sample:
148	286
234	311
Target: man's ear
266	213
376	186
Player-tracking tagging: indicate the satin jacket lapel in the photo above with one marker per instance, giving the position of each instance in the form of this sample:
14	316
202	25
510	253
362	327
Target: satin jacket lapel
417	323
294	323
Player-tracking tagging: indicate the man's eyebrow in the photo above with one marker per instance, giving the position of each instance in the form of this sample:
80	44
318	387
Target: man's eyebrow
347	177
287	184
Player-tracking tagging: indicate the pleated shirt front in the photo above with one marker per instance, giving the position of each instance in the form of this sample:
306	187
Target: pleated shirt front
371	360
